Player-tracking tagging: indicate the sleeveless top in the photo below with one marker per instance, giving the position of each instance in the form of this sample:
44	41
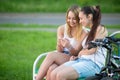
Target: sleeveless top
98	57
72	40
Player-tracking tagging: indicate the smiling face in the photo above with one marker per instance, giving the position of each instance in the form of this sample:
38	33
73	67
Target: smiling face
71	20
84	19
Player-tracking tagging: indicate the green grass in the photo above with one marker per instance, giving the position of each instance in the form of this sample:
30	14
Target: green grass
107	6
28	26
18	50
45	26
112	26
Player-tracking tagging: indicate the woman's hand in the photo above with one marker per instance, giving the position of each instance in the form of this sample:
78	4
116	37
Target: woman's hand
73	58
87	51
82	52
65	42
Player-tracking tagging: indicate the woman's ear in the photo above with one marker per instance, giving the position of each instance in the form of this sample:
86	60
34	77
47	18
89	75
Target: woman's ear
90	16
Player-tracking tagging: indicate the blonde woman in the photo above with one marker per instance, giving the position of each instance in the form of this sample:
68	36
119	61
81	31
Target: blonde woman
69	38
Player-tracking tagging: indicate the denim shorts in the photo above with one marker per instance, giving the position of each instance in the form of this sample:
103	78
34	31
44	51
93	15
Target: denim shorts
84	67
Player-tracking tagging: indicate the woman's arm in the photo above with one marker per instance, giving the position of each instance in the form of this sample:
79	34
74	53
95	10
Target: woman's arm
101	33
60	35
77	48
87	51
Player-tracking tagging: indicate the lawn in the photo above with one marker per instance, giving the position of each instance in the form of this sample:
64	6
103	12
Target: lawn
18	50
27	26
25	6
45	26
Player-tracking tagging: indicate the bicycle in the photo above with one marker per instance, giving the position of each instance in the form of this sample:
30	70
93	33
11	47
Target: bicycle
111	71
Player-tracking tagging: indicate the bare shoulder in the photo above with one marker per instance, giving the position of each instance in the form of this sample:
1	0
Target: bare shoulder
101	27
102	31
61	28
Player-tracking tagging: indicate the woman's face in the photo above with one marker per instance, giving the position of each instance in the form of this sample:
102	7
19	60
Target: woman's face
71	20
83	19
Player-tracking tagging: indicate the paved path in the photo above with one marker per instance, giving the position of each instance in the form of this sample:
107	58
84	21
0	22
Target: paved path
49	18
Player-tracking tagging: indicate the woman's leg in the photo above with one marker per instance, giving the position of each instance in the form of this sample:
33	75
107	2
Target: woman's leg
54	57
51	68
64	73
78	68
67	74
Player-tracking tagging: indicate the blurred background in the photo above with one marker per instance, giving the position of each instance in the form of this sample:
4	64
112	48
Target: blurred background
55	6
28	28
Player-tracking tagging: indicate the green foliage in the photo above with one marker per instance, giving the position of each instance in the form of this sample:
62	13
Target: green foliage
44	26
107	6
18	50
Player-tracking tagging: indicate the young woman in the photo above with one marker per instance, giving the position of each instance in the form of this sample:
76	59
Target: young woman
69	38
89	61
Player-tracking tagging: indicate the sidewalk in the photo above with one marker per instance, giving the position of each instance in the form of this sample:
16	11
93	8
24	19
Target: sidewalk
50	18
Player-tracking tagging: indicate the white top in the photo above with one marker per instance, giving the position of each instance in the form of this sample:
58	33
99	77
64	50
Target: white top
72	40
98	57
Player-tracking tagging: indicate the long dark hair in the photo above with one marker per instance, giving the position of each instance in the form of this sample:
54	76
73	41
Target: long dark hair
95	11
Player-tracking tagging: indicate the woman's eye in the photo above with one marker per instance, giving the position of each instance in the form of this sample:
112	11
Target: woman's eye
68	18
74	19
71	18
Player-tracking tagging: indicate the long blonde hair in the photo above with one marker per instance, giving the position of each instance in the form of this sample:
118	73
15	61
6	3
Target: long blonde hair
75	9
